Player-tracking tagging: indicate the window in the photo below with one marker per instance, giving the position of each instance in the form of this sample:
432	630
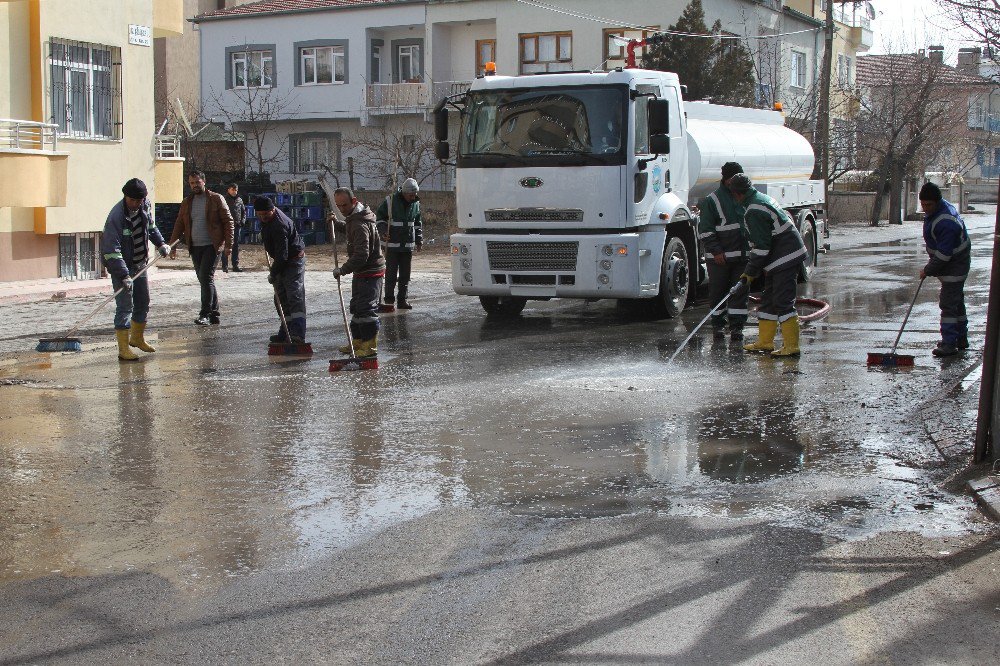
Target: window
615	40
311	152
252	69
641	128
86	92
486	51
408	63
798	72
409	144
321	64
376	74
977	113
551	52
843	70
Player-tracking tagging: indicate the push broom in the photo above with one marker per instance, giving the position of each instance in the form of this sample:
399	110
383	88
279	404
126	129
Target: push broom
352	363
68	342
285	348
892	359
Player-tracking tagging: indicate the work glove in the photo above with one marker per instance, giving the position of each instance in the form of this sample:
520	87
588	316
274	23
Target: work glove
337	273
164	250
270	278
746	278
719	258
127	284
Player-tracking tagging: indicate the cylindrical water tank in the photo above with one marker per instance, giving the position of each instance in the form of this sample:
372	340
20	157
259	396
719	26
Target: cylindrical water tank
757	139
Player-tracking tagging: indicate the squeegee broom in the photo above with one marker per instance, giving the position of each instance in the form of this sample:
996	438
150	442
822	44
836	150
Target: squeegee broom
352	363
285	348
68	342
892	359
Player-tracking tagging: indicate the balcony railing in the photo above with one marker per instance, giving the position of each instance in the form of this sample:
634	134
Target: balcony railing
411	96
168	147
854	16
28	135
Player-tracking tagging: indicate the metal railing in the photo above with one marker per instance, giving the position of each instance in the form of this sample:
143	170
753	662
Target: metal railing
28	135
854	16
396	95
167	146
442	89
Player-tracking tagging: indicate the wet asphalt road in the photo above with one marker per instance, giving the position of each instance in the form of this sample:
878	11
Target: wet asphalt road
545	489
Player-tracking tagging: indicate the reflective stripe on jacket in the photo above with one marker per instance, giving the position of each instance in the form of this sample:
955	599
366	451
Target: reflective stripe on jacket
947	242
775	241
721	228
401	222
116	241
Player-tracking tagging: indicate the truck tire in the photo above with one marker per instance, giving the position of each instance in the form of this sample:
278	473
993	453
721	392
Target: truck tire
502	307
674	280
808	231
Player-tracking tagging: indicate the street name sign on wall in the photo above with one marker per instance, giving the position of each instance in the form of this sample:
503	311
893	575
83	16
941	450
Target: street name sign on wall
140	35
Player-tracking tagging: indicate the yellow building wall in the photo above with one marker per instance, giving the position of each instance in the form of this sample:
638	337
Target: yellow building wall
98	169
15	95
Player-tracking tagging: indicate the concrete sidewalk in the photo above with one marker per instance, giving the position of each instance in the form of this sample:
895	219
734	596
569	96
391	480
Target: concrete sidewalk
56	289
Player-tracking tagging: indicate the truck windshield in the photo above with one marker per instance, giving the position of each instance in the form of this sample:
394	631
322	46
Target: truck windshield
544	126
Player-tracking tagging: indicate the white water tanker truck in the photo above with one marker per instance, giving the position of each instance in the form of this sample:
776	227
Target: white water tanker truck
585	185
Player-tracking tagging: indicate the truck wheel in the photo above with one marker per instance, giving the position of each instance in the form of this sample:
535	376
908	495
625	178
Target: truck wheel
808	232
507	306
674	280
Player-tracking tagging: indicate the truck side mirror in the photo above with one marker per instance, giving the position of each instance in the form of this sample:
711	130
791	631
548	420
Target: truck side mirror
442	150
658	117
659	144
441	121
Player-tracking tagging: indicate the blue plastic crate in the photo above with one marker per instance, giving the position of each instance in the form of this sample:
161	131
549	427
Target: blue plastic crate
313	213
283	199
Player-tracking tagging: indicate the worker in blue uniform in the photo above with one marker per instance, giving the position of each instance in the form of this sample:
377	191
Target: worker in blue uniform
949	258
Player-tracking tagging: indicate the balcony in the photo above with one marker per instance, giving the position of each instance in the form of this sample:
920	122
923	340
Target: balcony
168	18
33	172
385	99
168	170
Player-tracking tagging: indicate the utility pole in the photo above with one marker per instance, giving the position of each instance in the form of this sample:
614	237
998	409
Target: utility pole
823	117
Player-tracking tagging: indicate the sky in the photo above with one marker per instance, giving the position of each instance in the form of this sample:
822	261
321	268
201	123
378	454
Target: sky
907	25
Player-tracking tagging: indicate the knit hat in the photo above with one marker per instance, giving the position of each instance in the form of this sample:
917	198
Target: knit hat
740	183
410	186
263	203
135	189
930	192
730	169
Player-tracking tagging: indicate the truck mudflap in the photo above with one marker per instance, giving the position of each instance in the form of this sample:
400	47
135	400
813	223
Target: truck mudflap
549	266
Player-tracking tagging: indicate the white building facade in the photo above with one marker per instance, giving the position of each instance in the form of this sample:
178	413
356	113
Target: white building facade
348	86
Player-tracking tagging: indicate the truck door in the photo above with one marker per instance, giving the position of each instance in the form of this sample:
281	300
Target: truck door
648	184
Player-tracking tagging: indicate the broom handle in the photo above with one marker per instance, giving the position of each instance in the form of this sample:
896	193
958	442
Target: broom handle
343	309
908	310
69	334
277	299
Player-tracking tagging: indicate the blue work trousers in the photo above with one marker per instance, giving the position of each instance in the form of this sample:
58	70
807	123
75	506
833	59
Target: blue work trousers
132	306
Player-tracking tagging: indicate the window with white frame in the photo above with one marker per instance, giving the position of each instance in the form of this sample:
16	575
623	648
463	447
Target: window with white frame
252	69
843	70
321	65
977	112
85	89
549	52
408	62
310	153
798	70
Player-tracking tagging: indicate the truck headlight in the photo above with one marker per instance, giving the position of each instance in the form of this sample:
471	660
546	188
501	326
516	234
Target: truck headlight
608	250
606	264
466	264
464	249
603	279
467	277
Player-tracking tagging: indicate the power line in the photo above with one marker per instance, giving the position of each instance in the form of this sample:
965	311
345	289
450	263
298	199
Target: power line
673	33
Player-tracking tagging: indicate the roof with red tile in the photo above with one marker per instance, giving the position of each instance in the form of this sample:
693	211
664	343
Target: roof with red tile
881	70
265	7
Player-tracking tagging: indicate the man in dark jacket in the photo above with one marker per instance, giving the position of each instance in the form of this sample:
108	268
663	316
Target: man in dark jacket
365	261
238	210
949	259
724	237
125	251
288	268
206	227
400	224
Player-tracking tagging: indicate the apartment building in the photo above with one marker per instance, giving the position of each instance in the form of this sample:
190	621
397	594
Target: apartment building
325	78
76	122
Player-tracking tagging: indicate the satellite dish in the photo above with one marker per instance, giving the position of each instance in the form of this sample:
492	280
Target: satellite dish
870	9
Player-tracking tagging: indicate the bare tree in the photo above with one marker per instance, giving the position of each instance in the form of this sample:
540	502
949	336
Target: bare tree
255	107
979	17
390	154
906	113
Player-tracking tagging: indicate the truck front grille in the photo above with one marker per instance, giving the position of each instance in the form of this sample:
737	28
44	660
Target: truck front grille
509	256
534	215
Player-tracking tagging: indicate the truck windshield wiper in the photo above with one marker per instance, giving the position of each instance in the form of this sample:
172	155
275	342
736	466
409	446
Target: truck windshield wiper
500	156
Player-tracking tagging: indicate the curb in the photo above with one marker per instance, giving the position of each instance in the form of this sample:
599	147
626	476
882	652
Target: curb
986	492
